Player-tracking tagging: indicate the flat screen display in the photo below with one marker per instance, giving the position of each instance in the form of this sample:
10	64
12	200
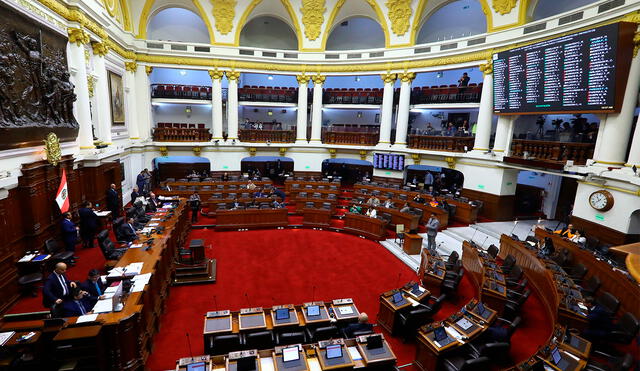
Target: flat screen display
582	72
313	310
282	313
388	161
397	297
556	356
290	354
334	351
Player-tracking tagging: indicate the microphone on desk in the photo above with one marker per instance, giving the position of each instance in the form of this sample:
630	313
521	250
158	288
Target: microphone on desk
515	224
189	343
474	234
483	242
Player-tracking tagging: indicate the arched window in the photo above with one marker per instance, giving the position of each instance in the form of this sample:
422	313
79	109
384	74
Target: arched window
548	8
453	20
177	24
350	34
268	32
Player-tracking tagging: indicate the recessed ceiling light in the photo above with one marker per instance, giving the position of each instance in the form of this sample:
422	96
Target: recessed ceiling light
270	77
183	72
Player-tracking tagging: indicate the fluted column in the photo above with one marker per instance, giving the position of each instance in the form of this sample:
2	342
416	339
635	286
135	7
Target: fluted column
301	127
316	113
485	114
101	93
387	108
131	108
611	146
634	153
402	125
78	74
216	103
232	104
143	101
504	134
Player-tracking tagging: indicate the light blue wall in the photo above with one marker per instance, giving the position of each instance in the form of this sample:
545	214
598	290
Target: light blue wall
177	24
548	8
261	79
173	76
457	19
359	33
448	77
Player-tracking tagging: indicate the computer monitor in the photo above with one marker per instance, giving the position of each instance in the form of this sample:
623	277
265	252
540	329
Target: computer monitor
481	308
116	298
246	364
290	354
397	297
313	310
440	333
334	351
198	366
557	357
282	313
374	341
415	287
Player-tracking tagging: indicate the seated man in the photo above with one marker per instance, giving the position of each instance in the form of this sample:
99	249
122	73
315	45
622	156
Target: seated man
77	305
251	185
600	322
566	232
278	192
372	212
135	194
275	204
259	194
373	201
235	204
579	238
357	209
405	208
128	231
57	287
152	203
419	199
94	287
362	325
389	204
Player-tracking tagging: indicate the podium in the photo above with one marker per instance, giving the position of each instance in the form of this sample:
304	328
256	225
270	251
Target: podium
412	244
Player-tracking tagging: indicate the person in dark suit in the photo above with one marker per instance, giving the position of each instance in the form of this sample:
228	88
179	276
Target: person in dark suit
135	193
225	177
235	204
362	325
194	202
279	193
69	233
88	224
77	304
127	231
113	201
600	322
57	286
152	203
93	286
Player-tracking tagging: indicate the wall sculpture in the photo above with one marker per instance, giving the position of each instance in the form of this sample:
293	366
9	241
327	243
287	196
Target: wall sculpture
36	96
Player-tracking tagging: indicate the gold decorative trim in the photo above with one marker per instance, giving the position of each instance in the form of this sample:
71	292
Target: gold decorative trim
319	79
504	6
486	68
283	151
78	36
164	151
363	154
252	151
216	74
52	149
312	17
91	84
100	48
333	152
146	12
416	158
407	76
451	162
623	190
232	75
148	70
224	11
399	15
197	151
87	147
389	78
303	79
609	163
131	66
636	44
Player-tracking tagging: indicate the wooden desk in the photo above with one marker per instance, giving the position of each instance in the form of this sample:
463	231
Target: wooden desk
291	321
372	228
318	203
412	244
320	218
490	284
345	317
410	221
626	290
441	214
252	321
300	364
381	357
251	218
431	272
322	318
342	363
465	212
389	311
288	184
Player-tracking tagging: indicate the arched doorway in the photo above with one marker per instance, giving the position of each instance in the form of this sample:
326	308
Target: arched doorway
443	180
347	169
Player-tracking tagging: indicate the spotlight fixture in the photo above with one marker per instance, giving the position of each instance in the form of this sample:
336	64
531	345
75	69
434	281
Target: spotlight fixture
270	77
439	74
359	114
187	110
183	72
270	113
217	141
357	78
255	110
233	141
268	142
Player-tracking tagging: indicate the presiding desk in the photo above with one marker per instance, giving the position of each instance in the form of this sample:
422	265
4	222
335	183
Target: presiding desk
251	218
120	340
461	327
372	228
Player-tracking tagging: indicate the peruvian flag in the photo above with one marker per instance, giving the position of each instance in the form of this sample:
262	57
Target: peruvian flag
62	197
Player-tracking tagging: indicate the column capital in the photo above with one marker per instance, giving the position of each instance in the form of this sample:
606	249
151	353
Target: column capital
232	75
303	79
100	48
407	76
78	36
486	68
319	79
636	44
148	70
216	74
389	78
131	66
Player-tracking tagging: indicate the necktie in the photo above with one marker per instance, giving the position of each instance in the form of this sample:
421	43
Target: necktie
63	284
81	308
132	230
98	288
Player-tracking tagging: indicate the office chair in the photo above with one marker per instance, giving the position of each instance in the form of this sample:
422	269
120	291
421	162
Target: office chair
609	302
361	333
512	307
498	352
454	271
322	333
625	330
109	251
57	255
410	322
28	282
492	251
591	286
460	363
450	287
453	258
508	264
259	340
223	344
291	337
514	277
613	362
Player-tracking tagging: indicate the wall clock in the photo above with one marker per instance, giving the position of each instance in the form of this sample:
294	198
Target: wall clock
601	200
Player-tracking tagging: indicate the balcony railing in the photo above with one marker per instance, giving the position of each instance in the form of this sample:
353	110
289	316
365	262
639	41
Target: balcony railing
268	94
446	94
350	138
181	135
439	143
262	136
555	152
181	91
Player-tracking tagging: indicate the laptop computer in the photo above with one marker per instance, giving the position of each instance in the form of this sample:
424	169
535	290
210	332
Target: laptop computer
441	336
290	354
198	366
282	314
334	351
374	341
558	361
246	364
397	298
415	289
313	310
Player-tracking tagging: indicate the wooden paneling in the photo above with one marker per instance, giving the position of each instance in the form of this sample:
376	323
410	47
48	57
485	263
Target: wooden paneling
495	207
179	170
606	235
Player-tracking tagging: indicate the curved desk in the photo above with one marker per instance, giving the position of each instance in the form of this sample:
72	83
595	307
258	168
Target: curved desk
251	218
373	228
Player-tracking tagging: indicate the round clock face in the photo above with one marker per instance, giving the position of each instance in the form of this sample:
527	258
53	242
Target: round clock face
601	200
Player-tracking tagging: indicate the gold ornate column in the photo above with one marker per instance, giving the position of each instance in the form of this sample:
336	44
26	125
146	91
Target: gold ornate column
316	112
301	123
216	103
232	104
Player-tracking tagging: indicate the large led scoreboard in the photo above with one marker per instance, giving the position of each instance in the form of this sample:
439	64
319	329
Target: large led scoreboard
580	73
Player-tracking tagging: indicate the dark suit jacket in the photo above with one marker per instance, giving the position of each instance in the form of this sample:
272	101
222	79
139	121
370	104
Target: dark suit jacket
88	221
134	195
52	290
357	327
70	307
152	205
89	287
126	232
279	193
112	199
69	233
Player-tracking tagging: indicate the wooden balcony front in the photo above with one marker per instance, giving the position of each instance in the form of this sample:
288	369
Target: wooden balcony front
181	135
440	143
550	154
262	136
351	138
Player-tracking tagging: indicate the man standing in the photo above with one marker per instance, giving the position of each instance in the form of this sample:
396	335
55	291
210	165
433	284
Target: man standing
69	233
88	224
432	231
113	201
428	179
57	286
194	201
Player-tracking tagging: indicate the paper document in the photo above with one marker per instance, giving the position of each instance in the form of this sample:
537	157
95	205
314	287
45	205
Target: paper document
5	336
453	333
354	353
138	286
135	246
142	277
103	306
27	258
103	213
344	310
154	224
464	324
155	219
314	364
87	318
266	364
